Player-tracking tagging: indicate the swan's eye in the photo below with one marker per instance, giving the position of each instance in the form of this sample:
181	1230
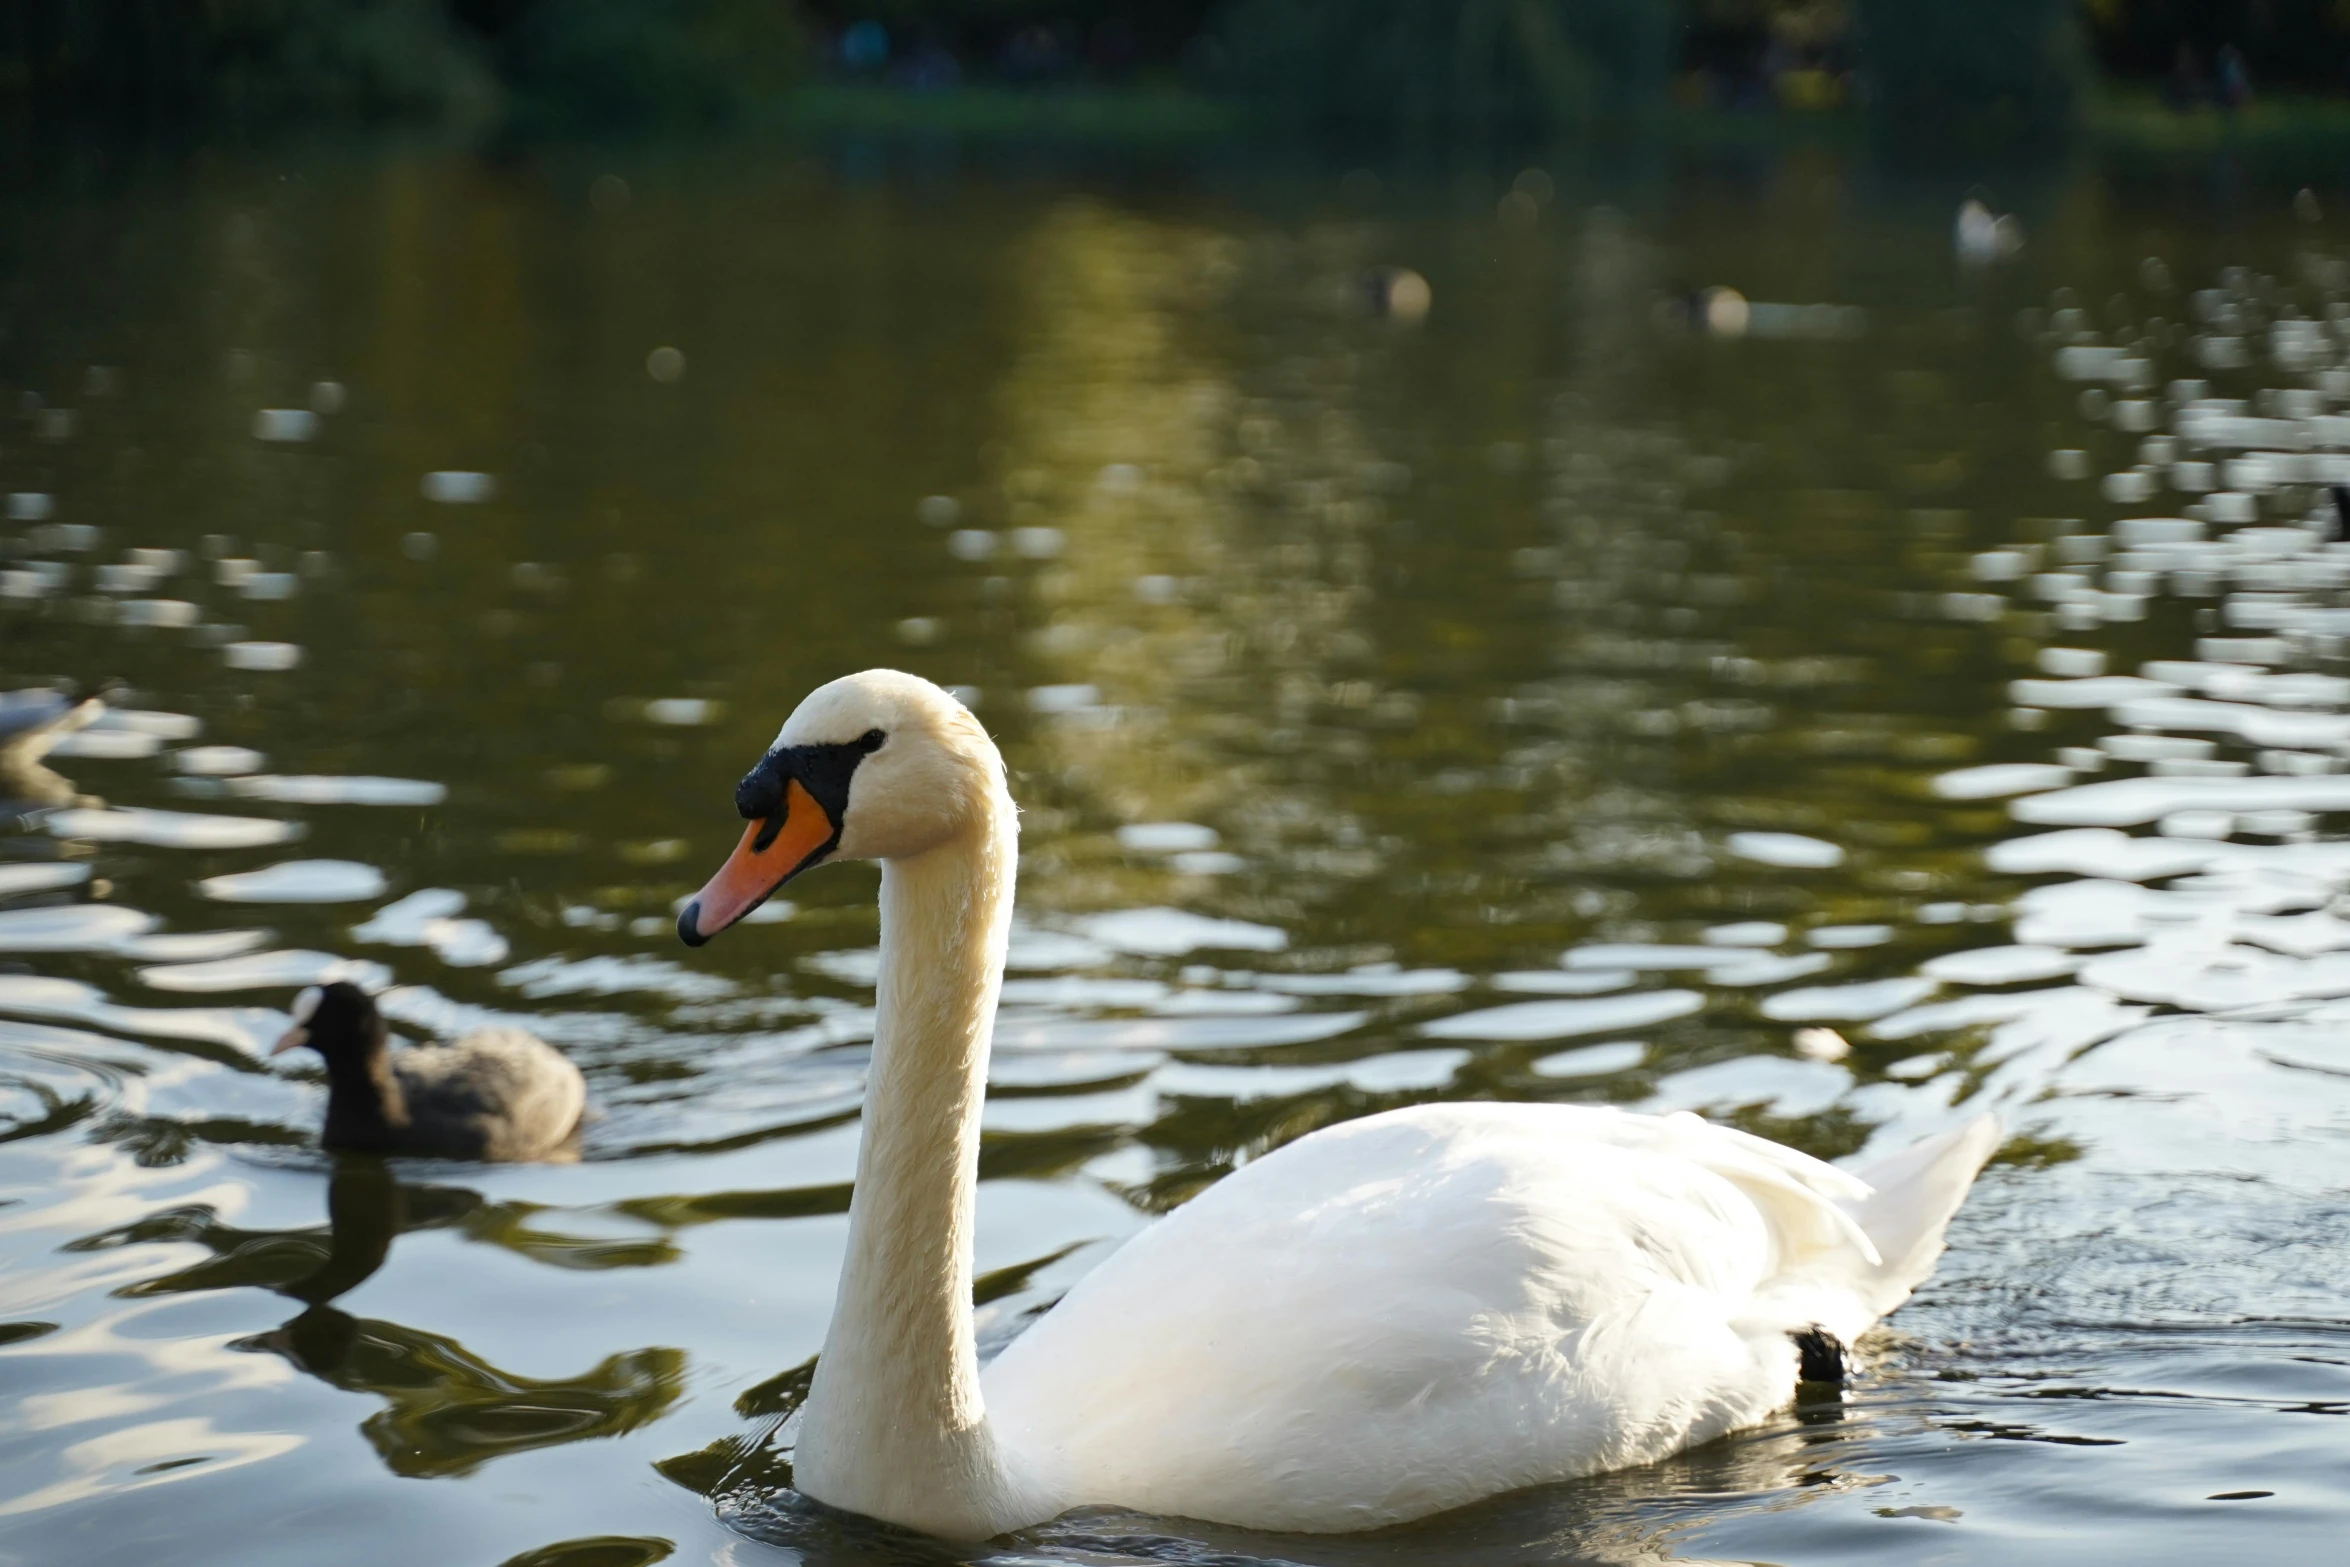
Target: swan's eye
871	741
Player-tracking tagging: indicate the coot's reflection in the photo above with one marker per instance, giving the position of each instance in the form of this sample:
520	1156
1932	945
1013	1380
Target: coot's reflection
447	1411
365	1207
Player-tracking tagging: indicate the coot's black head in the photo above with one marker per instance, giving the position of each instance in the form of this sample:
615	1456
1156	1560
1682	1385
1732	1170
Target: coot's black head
339	1021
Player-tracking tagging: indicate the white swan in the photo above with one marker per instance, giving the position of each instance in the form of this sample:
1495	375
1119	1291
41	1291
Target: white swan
1379	1321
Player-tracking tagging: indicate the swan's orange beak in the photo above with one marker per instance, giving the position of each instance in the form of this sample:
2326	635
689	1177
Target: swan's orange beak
771	853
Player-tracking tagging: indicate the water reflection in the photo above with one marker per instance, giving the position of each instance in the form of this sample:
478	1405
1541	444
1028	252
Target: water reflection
367	1208
1535	699
449	1411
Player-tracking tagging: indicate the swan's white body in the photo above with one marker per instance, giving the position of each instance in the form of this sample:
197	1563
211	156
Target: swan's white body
1409	1312
1377	1322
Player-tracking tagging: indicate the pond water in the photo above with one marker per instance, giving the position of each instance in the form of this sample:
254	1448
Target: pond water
1577	690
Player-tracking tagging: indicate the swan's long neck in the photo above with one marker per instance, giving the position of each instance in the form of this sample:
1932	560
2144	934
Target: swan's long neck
893	1426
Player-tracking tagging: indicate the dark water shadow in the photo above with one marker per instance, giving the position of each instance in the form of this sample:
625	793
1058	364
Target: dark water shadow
599	1550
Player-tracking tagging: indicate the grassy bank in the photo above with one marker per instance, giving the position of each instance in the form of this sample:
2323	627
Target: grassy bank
983	113
2137	120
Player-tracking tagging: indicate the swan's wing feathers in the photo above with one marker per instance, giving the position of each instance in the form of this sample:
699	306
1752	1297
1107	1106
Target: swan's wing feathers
1684	1134
1419	1308
1695	1136
1806	1201
1793	1190
1913	1196
1410	1310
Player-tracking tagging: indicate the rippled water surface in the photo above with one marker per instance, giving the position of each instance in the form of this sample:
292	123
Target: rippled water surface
1562	697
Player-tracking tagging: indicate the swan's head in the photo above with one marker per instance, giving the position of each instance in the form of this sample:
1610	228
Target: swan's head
339	1021
876	766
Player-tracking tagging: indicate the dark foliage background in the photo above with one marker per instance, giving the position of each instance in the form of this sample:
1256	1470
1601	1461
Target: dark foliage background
1999	68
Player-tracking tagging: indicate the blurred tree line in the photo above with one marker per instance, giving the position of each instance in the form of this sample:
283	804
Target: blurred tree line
2303	44
584	59
1405	65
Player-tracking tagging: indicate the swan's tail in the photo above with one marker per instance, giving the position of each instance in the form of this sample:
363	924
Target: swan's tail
1915	1193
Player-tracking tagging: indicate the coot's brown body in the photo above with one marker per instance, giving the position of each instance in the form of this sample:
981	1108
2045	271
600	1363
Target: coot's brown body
498	1094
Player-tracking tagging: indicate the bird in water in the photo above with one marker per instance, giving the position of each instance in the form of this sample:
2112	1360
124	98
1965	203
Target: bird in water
31	724
497	1093
1981	236
1381	1320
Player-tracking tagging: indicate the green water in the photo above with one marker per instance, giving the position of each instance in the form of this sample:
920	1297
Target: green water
1412	657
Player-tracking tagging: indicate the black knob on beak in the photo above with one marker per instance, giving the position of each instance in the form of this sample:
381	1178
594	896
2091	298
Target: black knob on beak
760	794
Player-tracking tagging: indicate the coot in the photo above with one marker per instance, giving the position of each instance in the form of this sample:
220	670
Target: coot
497	1093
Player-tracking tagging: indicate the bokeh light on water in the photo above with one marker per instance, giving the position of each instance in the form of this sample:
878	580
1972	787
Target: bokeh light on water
1695	646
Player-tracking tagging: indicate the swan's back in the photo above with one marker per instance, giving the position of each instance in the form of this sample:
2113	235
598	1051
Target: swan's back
1418	1309
496	1094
